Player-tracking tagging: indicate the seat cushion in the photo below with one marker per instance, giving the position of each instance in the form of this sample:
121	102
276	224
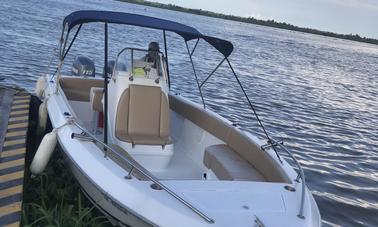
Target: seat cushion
143	116
252	153
78	88
200	117
96	94
238	141
144	111
145	140
228	165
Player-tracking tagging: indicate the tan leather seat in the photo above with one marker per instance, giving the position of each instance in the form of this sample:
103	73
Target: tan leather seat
78	89
228	165
96	94
143	116
200	117
251	152
236	140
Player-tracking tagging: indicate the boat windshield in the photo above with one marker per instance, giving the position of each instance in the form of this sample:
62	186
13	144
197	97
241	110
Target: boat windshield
140	63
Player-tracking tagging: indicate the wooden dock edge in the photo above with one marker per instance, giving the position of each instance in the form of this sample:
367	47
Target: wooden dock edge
12	161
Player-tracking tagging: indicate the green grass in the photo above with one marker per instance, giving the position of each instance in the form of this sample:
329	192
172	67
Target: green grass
54	198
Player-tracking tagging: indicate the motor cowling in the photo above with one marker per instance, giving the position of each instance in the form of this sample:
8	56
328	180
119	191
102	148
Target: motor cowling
83	67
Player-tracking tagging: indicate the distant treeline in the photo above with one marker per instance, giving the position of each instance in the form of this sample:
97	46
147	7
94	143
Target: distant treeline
270	23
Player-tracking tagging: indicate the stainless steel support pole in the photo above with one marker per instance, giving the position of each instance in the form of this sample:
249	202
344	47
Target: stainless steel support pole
106	85
195	75
301	173
166	57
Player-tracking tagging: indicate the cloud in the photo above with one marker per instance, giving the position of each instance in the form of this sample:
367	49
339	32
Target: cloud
364	4
341	16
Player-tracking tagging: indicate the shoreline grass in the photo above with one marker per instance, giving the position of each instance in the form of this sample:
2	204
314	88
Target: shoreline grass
54	198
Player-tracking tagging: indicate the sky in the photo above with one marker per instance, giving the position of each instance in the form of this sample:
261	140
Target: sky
340	16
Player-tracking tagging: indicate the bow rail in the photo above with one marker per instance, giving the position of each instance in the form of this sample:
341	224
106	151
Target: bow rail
300	175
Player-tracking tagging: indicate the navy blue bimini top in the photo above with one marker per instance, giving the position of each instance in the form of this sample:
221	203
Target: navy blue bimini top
188	33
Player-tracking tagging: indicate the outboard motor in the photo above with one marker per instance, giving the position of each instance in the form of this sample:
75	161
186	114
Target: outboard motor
83	66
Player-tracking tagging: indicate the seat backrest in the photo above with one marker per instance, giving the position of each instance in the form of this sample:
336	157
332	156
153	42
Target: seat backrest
96	95
143	116
250	151
200	117
78	88
233	137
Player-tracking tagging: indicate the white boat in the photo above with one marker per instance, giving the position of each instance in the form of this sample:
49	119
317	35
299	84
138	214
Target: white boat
159	159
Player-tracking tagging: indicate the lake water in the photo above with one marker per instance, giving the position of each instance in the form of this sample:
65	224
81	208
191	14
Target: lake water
319	94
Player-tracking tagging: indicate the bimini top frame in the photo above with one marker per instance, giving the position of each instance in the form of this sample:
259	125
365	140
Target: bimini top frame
87	16
187	33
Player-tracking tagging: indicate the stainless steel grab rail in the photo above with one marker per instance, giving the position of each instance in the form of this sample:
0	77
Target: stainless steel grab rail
300	175
146	173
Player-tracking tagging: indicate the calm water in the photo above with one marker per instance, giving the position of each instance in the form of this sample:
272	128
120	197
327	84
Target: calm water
319	94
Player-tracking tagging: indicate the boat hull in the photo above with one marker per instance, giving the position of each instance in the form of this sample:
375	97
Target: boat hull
115	212
135	202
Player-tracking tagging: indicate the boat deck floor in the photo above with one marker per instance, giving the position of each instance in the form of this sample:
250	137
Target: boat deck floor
181	167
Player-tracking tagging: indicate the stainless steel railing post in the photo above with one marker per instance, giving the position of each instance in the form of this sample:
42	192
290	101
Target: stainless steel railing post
301	175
